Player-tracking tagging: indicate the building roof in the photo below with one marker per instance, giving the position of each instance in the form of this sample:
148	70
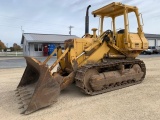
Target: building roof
59	38
43	38
154	36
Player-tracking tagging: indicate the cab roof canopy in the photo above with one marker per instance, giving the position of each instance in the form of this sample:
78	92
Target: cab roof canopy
114	9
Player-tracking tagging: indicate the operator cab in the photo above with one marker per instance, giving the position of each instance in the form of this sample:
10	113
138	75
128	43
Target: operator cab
122	38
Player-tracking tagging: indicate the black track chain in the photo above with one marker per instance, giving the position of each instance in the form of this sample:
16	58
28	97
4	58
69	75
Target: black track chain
107	64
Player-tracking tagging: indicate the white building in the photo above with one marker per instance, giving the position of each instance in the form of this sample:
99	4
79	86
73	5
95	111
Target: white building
42	44
153	39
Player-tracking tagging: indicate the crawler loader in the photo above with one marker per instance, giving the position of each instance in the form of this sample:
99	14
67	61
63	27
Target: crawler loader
96	63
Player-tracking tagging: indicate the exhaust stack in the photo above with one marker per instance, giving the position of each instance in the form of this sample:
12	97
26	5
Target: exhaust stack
87	20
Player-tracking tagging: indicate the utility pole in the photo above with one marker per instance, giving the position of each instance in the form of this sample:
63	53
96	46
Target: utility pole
7	45
70	28
22	30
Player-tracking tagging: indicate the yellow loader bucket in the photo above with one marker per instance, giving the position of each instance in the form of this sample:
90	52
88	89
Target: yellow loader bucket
38	88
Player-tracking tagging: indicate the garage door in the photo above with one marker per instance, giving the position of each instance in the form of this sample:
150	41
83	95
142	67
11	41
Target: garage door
151	42
158	43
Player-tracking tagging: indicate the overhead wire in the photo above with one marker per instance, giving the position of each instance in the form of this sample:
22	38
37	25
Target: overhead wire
49	27
30	20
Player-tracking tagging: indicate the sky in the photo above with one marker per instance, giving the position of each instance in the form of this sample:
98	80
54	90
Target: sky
55	17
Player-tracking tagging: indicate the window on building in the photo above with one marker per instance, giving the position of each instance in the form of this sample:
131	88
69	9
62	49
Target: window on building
37	47
40	47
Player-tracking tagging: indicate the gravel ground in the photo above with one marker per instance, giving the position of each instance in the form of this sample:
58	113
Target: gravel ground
139	102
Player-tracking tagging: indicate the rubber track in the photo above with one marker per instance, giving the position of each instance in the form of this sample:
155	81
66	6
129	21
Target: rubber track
108	64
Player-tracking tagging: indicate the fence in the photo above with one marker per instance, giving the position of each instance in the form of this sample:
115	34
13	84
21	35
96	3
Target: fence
11	53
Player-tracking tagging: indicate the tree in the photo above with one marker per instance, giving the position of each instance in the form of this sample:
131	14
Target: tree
2	46
16	47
